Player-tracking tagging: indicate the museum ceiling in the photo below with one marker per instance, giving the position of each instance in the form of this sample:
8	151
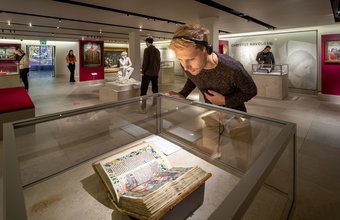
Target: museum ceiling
113	20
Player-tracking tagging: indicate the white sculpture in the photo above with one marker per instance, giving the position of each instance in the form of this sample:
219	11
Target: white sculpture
126	66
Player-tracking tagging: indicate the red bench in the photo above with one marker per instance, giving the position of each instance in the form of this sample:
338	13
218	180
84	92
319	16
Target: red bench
15	104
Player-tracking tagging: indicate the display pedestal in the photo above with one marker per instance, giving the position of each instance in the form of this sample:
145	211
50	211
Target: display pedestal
16	105
10	80
166	75
271	86
113	91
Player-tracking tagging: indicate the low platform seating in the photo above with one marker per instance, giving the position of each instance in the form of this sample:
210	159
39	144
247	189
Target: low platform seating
15	105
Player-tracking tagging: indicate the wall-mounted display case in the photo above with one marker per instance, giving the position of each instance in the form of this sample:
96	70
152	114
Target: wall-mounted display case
252	159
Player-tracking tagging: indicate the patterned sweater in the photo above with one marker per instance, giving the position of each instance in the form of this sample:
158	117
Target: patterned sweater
228	78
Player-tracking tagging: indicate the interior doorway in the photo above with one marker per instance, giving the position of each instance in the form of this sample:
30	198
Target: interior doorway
42	60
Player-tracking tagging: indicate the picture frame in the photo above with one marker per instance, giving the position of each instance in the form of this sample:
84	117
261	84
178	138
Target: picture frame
111	58
92	54
332	51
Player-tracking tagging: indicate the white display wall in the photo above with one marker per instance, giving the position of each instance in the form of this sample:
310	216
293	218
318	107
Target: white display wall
166	55
297	49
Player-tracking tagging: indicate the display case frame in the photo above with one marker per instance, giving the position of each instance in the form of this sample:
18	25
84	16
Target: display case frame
168	109
269	69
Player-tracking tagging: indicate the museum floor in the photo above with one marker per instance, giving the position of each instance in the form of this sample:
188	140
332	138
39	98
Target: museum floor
318	140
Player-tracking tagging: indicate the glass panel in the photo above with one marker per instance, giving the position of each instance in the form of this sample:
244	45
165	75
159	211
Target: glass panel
228	137
270	69
8	68
275	197
224	143
57	145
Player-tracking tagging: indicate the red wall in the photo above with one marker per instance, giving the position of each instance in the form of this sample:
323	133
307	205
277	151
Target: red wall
221	44
85	72
330	72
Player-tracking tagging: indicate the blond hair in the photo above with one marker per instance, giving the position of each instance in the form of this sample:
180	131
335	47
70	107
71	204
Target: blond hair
194	31
19	51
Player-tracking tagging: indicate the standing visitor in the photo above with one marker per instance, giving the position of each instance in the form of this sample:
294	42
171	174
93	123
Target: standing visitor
221	79
71	64
23	66
150	68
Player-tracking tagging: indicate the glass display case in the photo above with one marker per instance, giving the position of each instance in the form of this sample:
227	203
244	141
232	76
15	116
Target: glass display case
270	69
271	80
7	68
48	170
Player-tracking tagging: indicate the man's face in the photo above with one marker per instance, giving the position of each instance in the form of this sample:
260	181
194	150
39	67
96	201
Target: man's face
192	59
266	50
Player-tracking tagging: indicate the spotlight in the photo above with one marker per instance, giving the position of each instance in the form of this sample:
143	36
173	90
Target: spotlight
59	20
30	24
9	22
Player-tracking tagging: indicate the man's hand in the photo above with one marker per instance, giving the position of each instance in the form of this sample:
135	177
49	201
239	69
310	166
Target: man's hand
175	94
215	97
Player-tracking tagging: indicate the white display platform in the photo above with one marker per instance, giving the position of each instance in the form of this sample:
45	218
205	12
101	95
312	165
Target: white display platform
166	75
114	91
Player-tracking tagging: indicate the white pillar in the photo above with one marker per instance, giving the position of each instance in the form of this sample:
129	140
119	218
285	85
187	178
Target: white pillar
211	24
134	54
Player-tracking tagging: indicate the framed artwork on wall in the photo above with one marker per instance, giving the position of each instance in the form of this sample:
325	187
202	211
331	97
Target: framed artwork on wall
332	51
92	54
111	58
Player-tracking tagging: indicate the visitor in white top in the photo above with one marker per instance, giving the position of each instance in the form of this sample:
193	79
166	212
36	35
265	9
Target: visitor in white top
126	65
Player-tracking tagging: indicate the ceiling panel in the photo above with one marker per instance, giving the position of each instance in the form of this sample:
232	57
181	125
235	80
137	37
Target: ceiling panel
87	22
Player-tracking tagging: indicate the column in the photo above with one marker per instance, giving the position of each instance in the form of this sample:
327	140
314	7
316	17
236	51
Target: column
134	54
211	24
